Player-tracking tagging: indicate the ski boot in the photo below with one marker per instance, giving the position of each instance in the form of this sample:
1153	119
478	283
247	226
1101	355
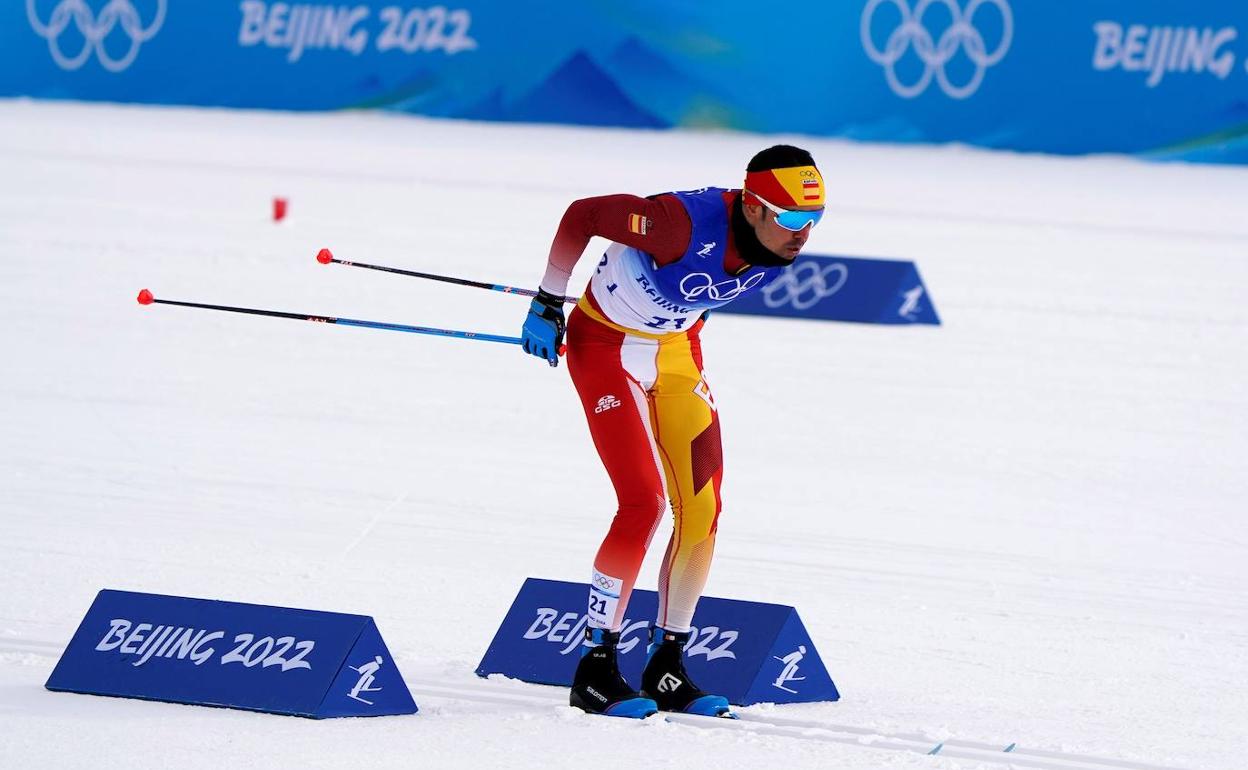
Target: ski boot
667	683
599	688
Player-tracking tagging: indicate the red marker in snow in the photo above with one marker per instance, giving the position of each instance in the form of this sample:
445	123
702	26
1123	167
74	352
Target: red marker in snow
145	297
324	256
279	209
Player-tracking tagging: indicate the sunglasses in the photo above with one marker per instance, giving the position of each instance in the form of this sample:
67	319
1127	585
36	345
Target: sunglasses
790	219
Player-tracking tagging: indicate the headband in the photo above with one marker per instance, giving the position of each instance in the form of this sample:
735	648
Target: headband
787	187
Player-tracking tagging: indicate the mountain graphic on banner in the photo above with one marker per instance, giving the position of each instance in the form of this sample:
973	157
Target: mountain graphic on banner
665	90
578	92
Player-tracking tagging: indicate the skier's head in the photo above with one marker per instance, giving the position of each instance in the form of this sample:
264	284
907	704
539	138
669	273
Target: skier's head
783	198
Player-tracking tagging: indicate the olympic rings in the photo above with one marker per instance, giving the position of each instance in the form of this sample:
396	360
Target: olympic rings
94	30
935	54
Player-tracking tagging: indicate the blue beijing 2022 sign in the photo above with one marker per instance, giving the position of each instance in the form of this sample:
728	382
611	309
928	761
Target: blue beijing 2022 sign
247	656
749	652
1161	78
828	288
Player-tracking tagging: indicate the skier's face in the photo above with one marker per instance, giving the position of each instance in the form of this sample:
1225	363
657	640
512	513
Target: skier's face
782	242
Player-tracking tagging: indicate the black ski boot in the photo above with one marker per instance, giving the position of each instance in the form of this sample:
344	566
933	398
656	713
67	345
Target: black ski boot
666	681
599	688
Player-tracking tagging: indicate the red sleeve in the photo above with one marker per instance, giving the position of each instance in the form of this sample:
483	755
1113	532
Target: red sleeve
658	226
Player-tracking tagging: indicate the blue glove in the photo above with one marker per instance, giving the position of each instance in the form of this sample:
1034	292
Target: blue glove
542	335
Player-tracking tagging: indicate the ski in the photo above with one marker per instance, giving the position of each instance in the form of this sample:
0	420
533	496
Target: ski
510	693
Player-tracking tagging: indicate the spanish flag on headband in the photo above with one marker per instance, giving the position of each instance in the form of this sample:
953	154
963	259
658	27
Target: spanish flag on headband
787	187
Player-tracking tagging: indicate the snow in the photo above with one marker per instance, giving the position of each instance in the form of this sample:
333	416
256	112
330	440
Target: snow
1026	525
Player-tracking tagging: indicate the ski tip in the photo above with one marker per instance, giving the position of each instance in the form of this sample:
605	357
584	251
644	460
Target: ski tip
936	750
145	297
324	256
1011	747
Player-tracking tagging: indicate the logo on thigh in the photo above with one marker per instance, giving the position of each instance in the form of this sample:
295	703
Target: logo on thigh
607	402
703	391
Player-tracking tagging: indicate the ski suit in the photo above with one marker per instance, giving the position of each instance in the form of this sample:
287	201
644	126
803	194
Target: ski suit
635	357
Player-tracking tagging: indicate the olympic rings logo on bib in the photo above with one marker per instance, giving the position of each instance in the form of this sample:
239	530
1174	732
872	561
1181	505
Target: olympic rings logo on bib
695	285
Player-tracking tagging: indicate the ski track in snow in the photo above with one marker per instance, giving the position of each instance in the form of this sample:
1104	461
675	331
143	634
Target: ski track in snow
1025	526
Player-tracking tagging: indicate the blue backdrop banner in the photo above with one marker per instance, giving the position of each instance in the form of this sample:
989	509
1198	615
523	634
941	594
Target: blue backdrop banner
749	652
212	653
1158	77
880	291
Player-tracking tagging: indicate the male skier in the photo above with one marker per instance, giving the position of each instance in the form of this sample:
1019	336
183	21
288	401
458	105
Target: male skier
636	360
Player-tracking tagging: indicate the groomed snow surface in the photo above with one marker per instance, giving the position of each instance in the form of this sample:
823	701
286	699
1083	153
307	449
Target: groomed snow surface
1026	525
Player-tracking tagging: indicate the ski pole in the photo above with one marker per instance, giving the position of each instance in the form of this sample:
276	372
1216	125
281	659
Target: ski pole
326	257
146	298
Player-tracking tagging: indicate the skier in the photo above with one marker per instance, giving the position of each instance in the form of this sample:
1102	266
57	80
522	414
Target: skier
367	674
635	357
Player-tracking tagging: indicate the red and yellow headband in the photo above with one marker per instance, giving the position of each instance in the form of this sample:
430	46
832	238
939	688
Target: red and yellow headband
787	187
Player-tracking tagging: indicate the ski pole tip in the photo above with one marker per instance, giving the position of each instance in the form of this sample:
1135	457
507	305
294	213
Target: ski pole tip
324	256
145	297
